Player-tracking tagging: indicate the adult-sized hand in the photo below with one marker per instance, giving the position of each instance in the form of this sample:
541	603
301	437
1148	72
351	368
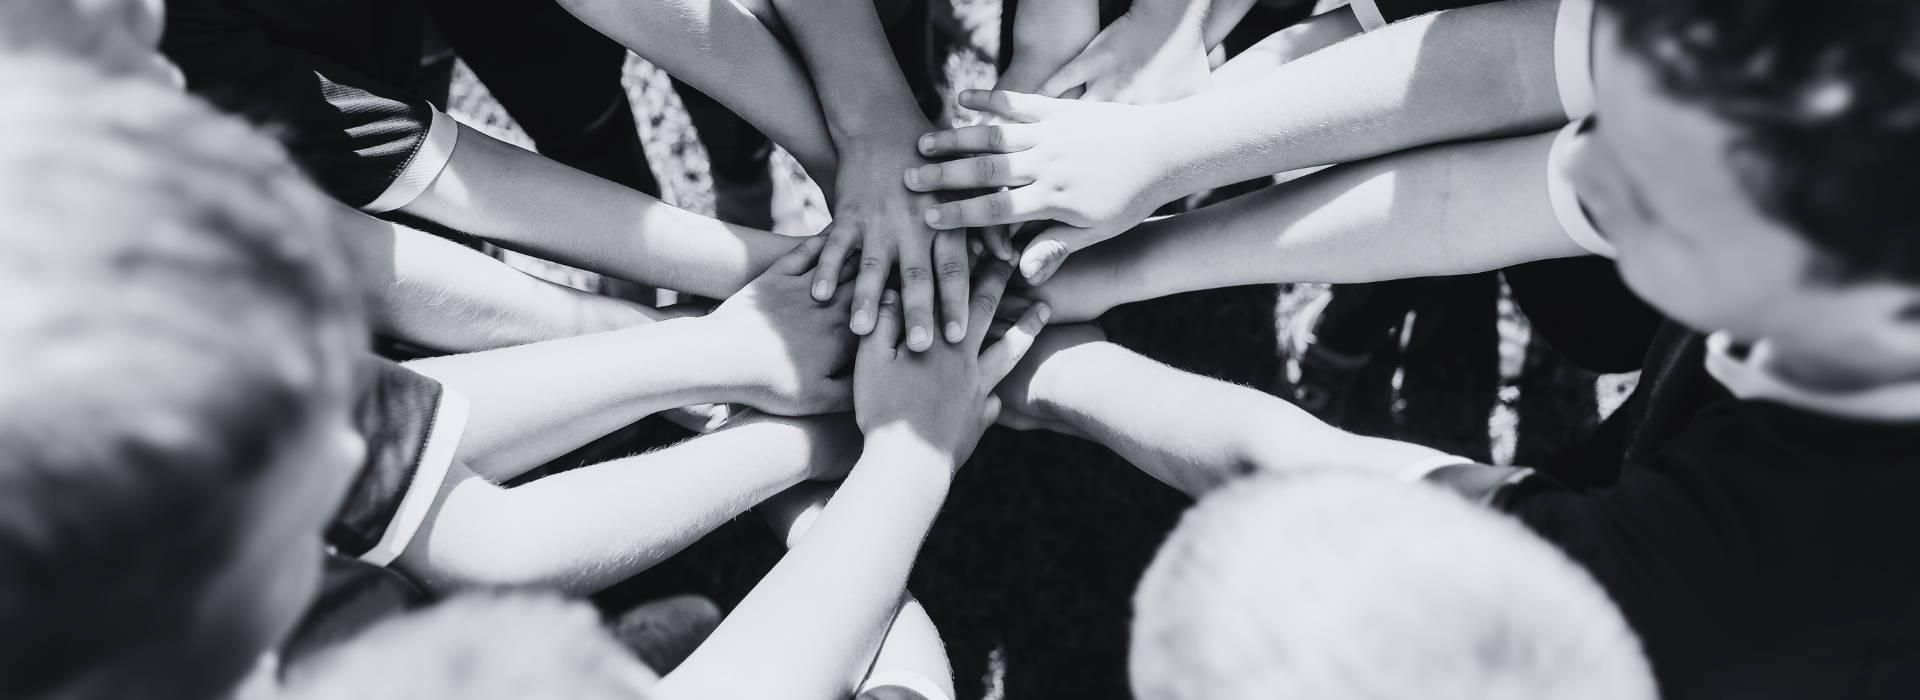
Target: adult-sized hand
885	223
944	396
787	345
1093	167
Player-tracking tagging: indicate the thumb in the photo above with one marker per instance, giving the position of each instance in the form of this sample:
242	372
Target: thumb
802	257
1046	251
1076	73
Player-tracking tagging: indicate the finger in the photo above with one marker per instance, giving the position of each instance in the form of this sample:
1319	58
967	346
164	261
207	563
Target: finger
991	411
951	271
917	296
801	258
1000	359
970	173
1074	74
885	337
1012	307
986	138
837	242
1015	106
875	263
1009	207
999	240
987	290
1047	251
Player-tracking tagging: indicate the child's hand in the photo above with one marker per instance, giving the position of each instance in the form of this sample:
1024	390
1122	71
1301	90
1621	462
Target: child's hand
1019	393
1092	166
942	397
1047	34
885	222
1154	53
788	345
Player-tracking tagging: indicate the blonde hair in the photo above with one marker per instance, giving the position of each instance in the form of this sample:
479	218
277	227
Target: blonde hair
1335	587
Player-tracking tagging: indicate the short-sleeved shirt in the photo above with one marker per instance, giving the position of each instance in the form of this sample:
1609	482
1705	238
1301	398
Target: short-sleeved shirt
330	78
412	425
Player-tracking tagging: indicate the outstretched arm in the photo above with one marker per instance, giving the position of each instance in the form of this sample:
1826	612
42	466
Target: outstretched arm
438	294
1191	432
1441	210
769	346
588	528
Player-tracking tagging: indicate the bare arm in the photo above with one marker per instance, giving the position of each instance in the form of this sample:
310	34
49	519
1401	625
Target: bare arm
521	200
1440	210
585	529
438	294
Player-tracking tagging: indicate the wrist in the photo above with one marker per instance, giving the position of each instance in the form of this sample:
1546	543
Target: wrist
903	448
721	355
1061	383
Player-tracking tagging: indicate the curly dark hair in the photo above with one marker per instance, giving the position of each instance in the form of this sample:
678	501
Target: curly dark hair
1827	93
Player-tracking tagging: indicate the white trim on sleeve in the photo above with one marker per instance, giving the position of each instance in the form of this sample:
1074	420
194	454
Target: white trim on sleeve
449	423
1566	202
1573	57
1420	469
905	679
428	160
1368	12
1747	378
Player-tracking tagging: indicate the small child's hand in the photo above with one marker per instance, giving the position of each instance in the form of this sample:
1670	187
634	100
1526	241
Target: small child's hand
1154	53
789	345
942	397
1092	166
1020	406
883	221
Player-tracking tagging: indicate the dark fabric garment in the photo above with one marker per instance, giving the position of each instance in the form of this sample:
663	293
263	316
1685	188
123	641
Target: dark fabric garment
1396	10
1760	551
396	415
354	596
328	77
1581	308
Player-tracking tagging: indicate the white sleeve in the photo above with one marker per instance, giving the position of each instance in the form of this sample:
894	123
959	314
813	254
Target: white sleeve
1566	202
1368	12
1573	57
449	423
1421	468
428	160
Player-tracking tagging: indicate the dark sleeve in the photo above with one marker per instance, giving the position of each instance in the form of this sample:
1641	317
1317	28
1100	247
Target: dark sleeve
1396	10
354	596
411	425
352	134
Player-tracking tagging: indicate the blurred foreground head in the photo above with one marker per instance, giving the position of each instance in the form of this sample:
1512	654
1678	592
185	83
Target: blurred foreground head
121	37
174	370
1344	588
481	647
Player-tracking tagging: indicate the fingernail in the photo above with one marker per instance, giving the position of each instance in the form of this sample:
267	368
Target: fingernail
862	319
889	296
975	245
822	289
917	338
1046	314
954	332
913	177
926	144
933	217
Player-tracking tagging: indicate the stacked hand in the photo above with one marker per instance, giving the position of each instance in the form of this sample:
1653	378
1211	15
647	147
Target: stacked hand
1090	167
942	397
792	344
1154	53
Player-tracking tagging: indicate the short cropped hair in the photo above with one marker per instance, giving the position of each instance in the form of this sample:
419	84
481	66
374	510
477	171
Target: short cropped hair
1343	588
1827	95
175	301
480	647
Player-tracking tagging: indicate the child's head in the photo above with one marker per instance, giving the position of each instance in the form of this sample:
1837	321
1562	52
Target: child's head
479	648
119	36
1336	587
1753	163
177	343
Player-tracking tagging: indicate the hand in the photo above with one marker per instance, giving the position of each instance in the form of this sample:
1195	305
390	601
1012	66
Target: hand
944	396
1092	167
884	221
1152	54
1020	404
1047	34
787	345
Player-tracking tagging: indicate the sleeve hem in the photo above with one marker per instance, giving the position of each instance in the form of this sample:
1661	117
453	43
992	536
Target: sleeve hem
1420	469
449	423
432	156
1566	202
1368	12
1573	57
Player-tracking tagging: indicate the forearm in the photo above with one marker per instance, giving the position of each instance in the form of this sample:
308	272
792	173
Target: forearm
862	92
811	628
1470	73
525	202
730	54
1192	432
533	403
438	294
1441	210
1046	35
1222	16
1288	45
585	529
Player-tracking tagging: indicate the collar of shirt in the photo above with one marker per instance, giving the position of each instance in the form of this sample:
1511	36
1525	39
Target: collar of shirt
1747	378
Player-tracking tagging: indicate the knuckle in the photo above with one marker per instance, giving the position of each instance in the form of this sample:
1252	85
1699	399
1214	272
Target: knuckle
953	268
997	206
995	137
872	264
983	168
914	274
